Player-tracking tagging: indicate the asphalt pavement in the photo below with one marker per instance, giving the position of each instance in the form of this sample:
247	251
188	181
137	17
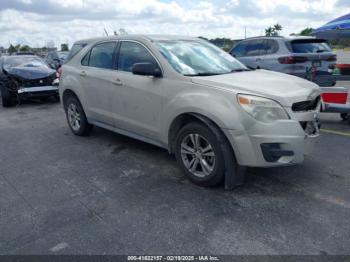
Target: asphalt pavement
109	194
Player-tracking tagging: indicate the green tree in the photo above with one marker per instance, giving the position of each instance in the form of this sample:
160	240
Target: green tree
64	47
273	30
306	31
12	49
24	48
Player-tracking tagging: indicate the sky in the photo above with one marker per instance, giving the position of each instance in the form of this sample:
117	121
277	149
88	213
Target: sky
45	22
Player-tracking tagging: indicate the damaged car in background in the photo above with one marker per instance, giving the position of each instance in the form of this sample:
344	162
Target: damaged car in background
23	77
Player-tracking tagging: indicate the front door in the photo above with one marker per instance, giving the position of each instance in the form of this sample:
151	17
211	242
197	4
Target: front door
138	99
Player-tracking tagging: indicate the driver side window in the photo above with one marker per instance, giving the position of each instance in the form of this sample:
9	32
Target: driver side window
131	53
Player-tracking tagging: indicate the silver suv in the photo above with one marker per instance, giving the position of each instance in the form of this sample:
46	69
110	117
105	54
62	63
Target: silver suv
193	99
305	57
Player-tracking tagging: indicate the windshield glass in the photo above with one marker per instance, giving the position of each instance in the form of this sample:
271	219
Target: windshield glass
62	55
310	46
22	61
198	58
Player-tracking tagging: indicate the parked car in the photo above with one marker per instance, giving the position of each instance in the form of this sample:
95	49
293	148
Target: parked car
25	53
26	76
56	59
305	57
193	99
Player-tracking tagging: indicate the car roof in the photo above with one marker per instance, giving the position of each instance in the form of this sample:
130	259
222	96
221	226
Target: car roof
286	38
136	37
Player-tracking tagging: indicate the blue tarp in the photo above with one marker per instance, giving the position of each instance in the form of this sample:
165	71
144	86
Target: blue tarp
338	28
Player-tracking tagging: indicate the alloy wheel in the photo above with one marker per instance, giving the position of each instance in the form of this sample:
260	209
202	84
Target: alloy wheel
74	117
197	155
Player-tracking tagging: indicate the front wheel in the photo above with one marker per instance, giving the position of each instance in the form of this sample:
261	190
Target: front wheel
6	97
200	153
76	117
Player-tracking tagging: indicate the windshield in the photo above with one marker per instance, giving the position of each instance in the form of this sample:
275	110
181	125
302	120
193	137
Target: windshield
62	55
310	46
22	61
198	58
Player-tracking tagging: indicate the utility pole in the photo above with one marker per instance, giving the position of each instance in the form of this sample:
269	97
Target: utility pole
245	32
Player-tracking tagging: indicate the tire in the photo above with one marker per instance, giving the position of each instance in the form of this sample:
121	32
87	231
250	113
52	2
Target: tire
57	97
212	172
76	117
6	98
344	116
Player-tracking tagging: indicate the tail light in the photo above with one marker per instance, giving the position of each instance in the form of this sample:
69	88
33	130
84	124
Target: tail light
292	59
332	58
59	71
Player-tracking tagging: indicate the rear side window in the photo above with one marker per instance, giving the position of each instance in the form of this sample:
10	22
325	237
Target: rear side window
101	56
255	48
270	46
310	46
76	48
131	53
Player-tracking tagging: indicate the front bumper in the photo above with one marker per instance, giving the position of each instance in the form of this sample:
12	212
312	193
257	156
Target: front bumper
38	91
280	143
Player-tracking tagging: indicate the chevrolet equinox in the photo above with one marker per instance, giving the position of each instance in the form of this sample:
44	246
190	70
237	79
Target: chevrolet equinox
193	99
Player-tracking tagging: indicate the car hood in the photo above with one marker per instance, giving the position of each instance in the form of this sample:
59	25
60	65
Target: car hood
285	89
30	72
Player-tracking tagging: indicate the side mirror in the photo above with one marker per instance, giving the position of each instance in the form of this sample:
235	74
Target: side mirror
146	69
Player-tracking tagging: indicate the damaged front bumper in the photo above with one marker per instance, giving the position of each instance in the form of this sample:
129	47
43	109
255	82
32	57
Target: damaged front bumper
38	90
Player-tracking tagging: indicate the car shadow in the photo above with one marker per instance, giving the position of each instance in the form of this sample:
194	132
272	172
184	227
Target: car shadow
257	180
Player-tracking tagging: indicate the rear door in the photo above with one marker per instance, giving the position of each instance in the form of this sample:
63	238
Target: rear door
250	52
97	76
269	57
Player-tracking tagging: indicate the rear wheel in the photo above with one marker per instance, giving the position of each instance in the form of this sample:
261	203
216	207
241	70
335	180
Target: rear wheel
76	117
200	153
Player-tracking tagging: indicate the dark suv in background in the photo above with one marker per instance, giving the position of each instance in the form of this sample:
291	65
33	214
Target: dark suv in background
305	57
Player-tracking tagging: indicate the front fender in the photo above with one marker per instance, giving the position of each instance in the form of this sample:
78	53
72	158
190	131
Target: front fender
216	105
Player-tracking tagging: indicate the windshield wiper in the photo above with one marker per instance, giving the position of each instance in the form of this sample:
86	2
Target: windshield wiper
203	74
240	70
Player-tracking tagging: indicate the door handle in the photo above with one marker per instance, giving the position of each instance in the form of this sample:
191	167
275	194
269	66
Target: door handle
118	82
83	73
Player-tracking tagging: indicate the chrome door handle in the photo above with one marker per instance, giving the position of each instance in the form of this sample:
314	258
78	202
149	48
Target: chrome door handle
83	73
118	82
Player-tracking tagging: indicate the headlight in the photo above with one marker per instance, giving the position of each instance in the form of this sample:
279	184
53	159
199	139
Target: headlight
262	109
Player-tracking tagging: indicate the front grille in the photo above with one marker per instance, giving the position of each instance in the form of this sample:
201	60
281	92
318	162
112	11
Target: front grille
306	105
47	81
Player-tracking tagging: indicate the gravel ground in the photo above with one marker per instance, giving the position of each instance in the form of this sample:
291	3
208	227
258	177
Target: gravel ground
109	194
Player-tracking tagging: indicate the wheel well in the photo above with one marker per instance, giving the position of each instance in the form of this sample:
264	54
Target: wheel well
182	120
68	93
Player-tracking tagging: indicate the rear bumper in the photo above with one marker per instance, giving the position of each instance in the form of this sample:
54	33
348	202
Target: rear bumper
268	145
38	91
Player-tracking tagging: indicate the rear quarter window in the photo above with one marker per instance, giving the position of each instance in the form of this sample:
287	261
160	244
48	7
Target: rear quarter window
76	48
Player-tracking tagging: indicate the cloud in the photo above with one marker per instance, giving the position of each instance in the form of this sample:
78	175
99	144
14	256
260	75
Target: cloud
37	21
